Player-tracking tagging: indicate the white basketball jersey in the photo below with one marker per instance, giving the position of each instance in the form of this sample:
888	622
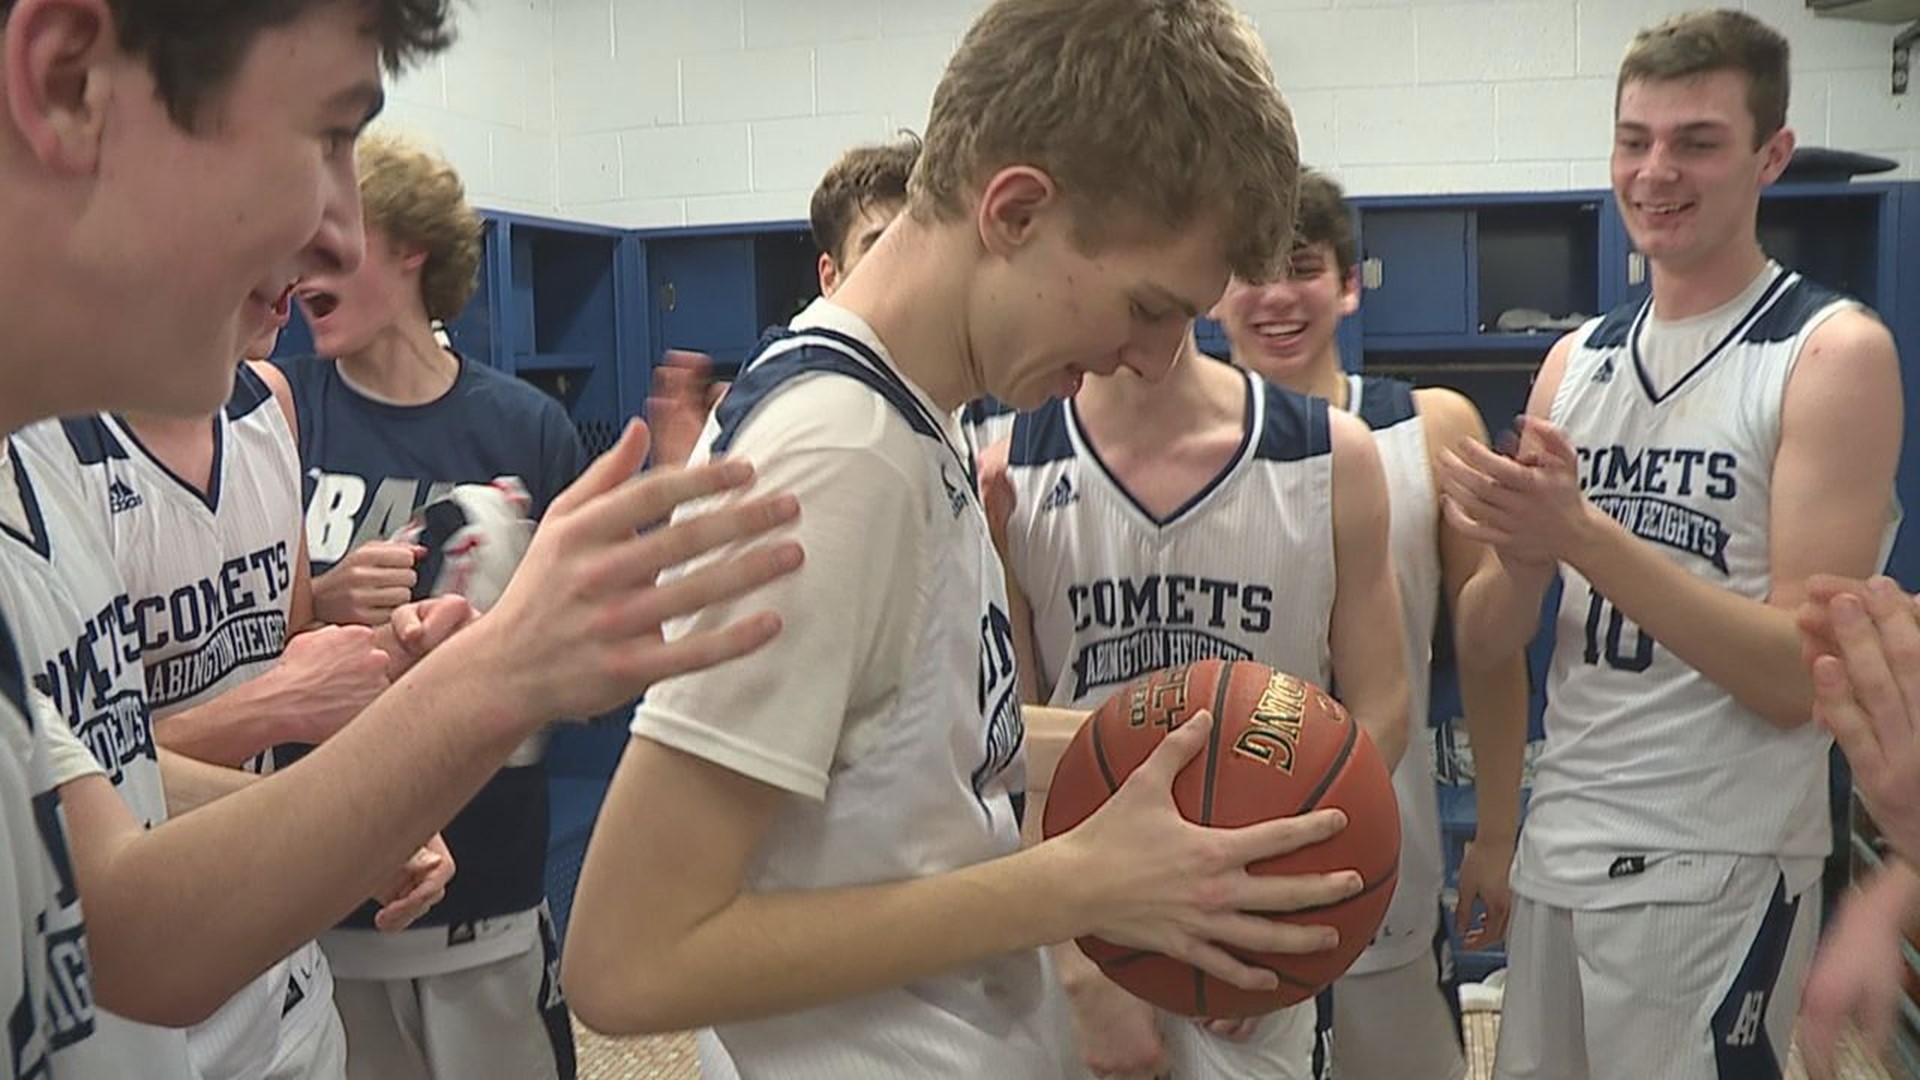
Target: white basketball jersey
932	779
45	981
1400	433
211	577
1645	758
64	597
1244	571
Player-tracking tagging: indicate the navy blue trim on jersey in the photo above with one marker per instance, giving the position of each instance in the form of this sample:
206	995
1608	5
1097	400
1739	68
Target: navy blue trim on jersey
250	392
92	441
36	535
13	675
209	498
1226	472
1040	436
1295	427
1741	1047
1790	314
1385	402
980	410
1616	327
761	378
1736	334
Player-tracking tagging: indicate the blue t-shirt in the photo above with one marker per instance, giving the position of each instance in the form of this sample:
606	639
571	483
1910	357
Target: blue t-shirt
368	466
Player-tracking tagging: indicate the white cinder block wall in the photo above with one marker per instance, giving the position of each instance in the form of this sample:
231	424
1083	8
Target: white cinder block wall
672	112
487	103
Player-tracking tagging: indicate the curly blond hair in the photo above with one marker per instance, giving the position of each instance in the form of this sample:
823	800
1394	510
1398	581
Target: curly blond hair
415	197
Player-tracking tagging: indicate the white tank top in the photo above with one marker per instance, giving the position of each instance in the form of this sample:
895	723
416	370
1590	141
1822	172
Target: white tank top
211	578
1645	758
927	780
65	600
1117	592
1400	433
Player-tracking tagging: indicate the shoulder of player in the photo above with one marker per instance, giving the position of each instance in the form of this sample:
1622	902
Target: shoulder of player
1546	380
1448	415
282	390
1847	374
1351	441
825	417
1853	333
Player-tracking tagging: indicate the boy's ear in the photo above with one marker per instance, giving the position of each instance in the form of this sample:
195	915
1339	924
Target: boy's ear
1013	202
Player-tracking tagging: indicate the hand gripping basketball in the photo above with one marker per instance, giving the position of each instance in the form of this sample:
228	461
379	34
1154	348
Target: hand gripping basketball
1279	747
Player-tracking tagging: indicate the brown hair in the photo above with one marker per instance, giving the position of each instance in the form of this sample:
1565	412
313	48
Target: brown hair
195	47
1160	110
865	176
1703	42
415	198
1323	218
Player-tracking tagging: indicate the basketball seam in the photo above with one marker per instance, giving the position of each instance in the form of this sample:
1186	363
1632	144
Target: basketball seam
1100	760
1303	984
1222	683
1331	774
1392	875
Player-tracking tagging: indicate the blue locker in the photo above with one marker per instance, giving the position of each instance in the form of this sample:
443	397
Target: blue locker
1423	262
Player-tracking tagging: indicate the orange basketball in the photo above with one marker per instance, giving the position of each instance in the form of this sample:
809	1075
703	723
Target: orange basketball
1280	746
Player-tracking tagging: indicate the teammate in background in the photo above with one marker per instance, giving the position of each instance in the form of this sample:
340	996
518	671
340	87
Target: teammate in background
204	519
1685	464
254	110
1396	1013
1861	641
825	841
1127	545
389	419
860	195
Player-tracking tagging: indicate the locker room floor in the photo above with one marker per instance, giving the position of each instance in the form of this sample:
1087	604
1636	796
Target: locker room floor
671	1057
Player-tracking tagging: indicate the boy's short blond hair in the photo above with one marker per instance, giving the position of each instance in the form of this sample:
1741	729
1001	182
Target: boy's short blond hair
416	198
1162	112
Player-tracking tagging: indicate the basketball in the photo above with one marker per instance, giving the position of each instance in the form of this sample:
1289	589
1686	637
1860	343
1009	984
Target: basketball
1280	747
475	536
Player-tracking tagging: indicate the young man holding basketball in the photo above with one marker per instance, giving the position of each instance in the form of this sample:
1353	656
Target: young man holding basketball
1136	505
1396	1015
824	843
1685	466
254	110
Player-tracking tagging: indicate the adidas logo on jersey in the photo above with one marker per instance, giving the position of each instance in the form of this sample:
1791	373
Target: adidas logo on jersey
1061	495
956	498
1605	372
121	498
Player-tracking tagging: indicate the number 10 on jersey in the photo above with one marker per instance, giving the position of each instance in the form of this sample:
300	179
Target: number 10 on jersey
1607	631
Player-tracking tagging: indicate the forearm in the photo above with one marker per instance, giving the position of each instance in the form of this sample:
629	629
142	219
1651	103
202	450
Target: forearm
769	953
1049	730
1499	611
192	783
1493	700
234	727
1749	648
182	916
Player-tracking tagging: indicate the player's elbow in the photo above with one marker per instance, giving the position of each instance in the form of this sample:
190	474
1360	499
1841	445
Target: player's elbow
1389	734
614	998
